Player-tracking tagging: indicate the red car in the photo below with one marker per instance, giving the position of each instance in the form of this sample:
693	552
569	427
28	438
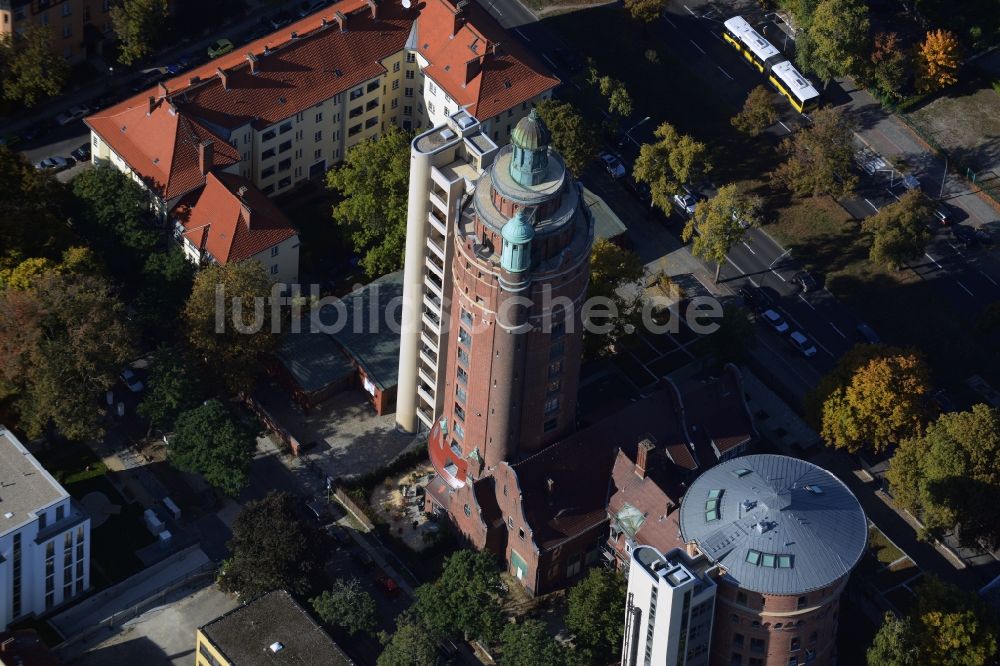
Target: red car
388	586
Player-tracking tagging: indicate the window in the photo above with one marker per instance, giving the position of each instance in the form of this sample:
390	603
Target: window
67	9
465	317
432	88
268	135
371	122
353	131
551	405
270	188
285	128
430	107
67	30
355	112
407	111
410	58
736	659
555	368
554	386
558	330
557	349
267	154
463	357
796	644
317	137
459	412
738	641
395	66
60	514
756	644
274	269
274	251
408	92
464	337
356	93
267	173
810	656
550	425
463	376
43	519
284	182
319	117
318	154
793	661
409	73
741	598
460	394
285	164
395	84
284	146
802	603
459	430
520	533
467	510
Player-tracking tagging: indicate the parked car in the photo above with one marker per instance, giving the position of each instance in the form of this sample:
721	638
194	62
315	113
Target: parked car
776	321
613	165
279	19
220	48
81	153
943	215
74	113
965	235
387	585
307	7
803	344
52	164
181	65
753	297
686	202
806	281
983	236
131	380
866	335
148	80
317	511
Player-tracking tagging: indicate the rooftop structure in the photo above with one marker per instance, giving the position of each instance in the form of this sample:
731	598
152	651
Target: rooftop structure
778	525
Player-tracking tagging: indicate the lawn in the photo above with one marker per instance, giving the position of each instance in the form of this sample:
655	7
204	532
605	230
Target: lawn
70	463
881	547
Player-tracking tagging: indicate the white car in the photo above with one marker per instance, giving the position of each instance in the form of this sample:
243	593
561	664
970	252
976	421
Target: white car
131	380
52	164
803	344
613	165
685	202
75	113
776	321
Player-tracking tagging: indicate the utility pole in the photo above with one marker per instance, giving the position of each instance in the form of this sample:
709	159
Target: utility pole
779	258
944	176
628	134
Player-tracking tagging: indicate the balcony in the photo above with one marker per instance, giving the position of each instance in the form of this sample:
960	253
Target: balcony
433	322
440	202
437	222
429	339
433	284
426	393
425	417
436	249
433	304
428	357
435	267
425	376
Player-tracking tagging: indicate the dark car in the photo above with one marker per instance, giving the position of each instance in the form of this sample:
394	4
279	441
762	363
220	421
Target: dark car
181	65
81	154
316	511
965	235
866	335
753	297
148	80
387	585
983	236
806	281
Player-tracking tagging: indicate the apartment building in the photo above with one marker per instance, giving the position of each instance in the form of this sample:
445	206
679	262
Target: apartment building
76	26
670	604
44	537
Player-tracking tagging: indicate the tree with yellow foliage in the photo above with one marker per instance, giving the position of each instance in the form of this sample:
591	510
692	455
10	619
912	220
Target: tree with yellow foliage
645	11
937	61
882	405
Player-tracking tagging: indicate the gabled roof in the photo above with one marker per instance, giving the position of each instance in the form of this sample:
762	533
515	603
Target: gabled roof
649	502
233	220
159	141
476	61
716	413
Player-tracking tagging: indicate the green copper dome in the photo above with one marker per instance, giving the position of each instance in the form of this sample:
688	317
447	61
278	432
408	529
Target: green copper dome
517	234
531	133
530	159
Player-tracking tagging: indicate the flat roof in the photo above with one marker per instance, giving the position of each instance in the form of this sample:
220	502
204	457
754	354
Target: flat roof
25	486
273	629
313	359
779	525
607	225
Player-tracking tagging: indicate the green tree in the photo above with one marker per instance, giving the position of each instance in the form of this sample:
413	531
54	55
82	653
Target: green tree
75	261
348	606
619	100
721	222
881	406
895	644
594	614
758	112
615	278
271	549
819	157
645	11
138	24
839	32
464	599
242	289
949	476
673	160
840	377
575	139
899	230
890	65
207	440
528	643
162	289
62	344
172	387
374	181
410	645
31	70
32	219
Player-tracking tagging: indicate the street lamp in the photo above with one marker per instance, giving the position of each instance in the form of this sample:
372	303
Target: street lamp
628	133
779	258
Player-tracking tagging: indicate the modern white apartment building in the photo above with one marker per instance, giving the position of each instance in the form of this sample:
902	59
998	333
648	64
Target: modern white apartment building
44	537
669	610
445	163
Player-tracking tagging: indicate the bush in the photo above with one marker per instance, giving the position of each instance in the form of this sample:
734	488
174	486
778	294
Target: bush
996	86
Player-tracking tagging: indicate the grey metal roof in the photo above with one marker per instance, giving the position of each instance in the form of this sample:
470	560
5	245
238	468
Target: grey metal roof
25	486
776	505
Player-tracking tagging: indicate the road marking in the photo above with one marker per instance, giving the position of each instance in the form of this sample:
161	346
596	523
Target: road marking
694	44
742	272
753	282
803	298
803	329
933	259
670	22
785	126
728	75
690	11
966	289
779	275
990	279
838	330
748	247
548	60
952	246
871	204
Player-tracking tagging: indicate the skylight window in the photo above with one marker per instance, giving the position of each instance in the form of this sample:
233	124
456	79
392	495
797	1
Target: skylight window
712	505
767	560
711	515
741	472
753	556
714	494
815	490
784	561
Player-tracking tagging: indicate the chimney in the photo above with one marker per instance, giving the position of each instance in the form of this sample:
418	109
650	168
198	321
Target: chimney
472	68
340	20
163	89
372	6
253	63
206	151
459	16
152	104
223	76
641	458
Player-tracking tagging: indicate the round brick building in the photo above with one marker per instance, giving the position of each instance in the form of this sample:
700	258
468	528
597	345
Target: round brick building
786	535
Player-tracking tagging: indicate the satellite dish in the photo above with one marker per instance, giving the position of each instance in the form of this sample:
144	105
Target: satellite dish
406	4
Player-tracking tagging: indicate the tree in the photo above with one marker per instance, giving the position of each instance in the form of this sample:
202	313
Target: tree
172	387
31	70
899	230
949	477
348	606
32	219
721	222
948	627
272	549
221	296
894	644
758	113
575	139
882	405
410	645
819	157
528	643
938	58
374	181
138	24
644	11
162	289
464	599
889	65
839	36
207	440
672	161
594	614
615	276
619	101
62	344
840	377
75	261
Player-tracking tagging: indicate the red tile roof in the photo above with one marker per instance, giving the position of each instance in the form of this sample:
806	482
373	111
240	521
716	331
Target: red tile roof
160	142
230	225
654	497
